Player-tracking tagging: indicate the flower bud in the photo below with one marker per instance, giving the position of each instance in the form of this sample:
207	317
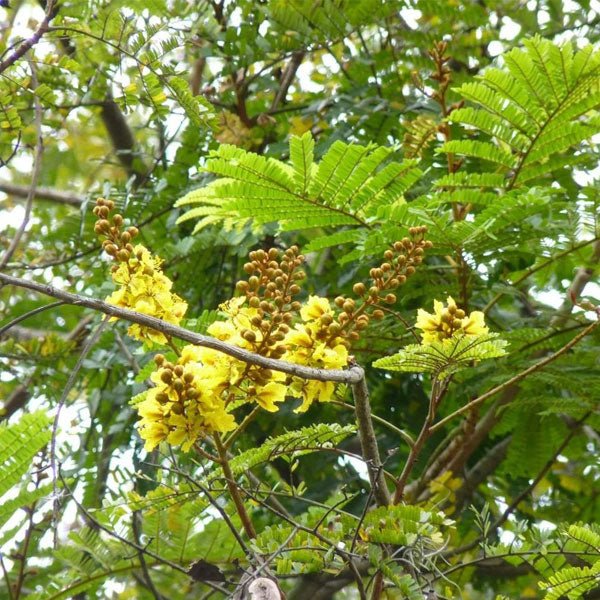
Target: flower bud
178	370
242	286
123	255
166	376
339	301
390	298
388	255
118	220
378	314
359	289
273	253
254	302
188	378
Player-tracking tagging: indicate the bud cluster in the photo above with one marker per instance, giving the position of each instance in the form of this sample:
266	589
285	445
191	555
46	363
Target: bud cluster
270	290
182	386
117	241
400	263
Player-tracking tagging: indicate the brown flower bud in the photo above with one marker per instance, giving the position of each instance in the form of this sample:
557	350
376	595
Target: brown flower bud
378	314
159	359
166	376
242	286
123	255
178	370
359	289
273	253
388	255
390	298
249	335
133	231
118	220
188	378
254	302
334	328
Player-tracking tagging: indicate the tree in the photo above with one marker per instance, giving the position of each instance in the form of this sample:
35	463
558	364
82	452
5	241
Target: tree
298	297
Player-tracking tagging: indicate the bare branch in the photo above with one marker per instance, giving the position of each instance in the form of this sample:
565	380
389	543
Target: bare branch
28	44
351	375
22	191
368	442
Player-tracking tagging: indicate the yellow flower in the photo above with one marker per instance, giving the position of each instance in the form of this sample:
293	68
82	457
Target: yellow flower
447	321
268	395
145	289
315	308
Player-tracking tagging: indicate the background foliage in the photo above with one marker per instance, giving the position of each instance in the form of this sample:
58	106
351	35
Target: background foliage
220	127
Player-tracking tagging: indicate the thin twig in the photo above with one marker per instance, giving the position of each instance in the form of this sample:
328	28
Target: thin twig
37	168
70	382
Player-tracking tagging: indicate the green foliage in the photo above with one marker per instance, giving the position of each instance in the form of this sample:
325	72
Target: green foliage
330	125
347	187
444	357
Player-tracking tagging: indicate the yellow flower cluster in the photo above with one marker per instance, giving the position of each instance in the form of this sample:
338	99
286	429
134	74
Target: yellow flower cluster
447	321
145	289
312	344
242	329
184	404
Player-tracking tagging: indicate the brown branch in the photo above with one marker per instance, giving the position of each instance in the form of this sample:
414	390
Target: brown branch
28	44
122	139
22	191
351	375
286	80
368	442
581	279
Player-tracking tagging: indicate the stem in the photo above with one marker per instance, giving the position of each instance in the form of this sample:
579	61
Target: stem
437	393
368	442
233	488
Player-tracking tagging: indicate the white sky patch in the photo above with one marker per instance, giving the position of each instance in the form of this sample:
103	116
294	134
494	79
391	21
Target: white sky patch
359	465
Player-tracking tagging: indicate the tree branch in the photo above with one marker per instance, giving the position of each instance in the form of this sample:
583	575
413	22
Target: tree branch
368	442
22	191
352	375
32	41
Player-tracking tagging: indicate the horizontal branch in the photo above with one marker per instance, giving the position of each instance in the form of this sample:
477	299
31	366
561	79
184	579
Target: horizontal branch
351	375
21	191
